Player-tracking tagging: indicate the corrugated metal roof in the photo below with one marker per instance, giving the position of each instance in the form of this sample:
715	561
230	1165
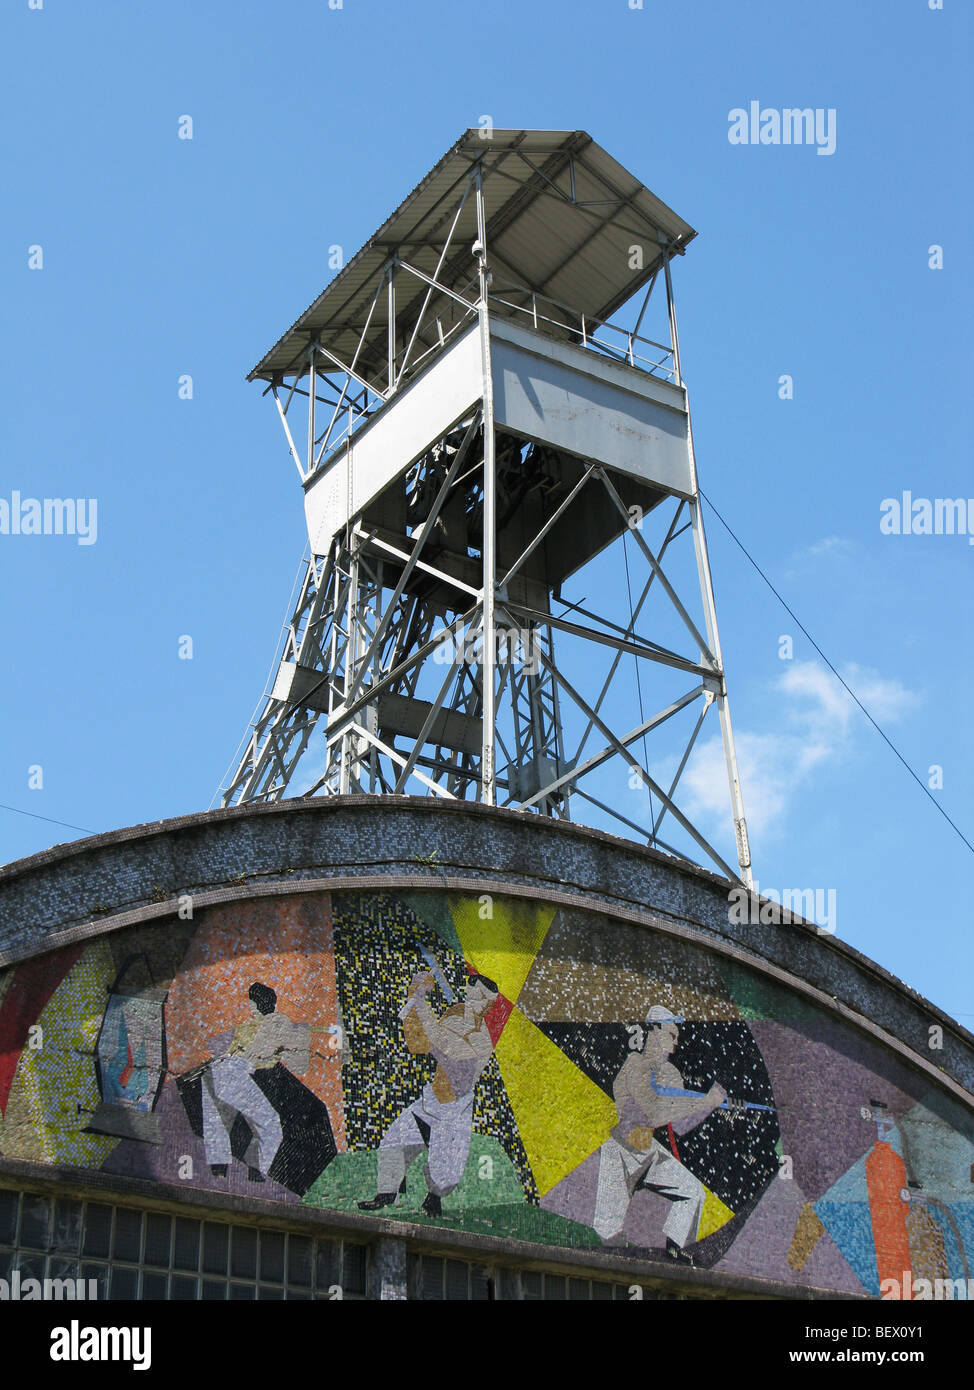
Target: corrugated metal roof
562	216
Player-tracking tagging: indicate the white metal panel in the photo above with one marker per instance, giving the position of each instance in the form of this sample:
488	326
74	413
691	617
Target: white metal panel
326	504
592	362
294	682
402	430
591	407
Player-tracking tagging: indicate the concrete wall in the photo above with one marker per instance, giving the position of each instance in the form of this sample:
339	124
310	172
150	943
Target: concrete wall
434	1018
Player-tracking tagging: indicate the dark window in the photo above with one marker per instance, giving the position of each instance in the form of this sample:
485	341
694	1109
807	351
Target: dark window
64	1269
128	1235
214	1248
8	1217
186	1254
531	1284
158	1235
272	1256
354	1259
35	1222
98	1230
155	1256
67	1226
457	1280
125	1284
299	1261
243	1253
100	1274
31	1267
154	1285
329	1264
432	1278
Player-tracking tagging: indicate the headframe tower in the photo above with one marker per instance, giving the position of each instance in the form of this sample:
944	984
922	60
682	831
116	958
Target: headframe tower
474	432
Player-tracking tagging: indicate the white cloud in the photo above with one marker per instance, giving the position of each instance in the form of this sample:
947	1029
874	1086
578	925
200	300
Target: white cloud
830	545
765	761
818	727
886	700
823	706
832	548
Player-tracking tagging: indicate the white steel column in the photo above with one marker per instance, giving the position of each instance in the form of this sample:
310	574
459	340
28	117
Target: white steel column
312	389
710	616
391	341
488	791
349	742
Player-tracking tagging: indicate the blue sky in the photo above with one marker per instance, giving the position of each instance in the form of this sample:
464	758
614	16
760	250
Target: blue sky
164	256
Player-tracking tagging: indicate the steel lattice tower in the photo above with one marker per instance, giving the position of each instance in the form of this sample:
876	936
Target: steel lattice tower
477	432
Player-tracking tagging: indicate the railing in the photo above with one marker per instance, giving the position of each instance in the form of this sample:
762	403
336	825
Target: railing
607	339
624	349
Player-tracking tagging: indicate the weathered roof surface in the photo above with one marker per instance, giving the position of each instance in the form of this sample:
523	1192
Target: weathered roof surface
562	218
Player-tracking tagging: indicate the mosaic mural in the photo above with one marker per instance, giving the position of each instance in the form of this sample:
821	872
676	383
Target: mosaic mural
498	1065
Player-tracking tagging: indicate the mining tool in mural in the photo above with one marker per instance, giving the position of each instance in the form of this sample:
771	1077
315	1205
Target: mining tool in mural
649	1094
441	1121
438	975
248	1103
734	1107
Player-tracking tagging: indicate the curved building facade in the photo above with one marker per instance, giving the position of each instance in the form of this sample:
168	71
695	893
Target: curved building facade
384	1047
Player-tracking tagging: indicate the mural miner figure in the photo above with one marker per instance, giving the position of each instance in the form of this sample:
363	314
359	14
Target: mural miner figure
649	1093
441	1121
